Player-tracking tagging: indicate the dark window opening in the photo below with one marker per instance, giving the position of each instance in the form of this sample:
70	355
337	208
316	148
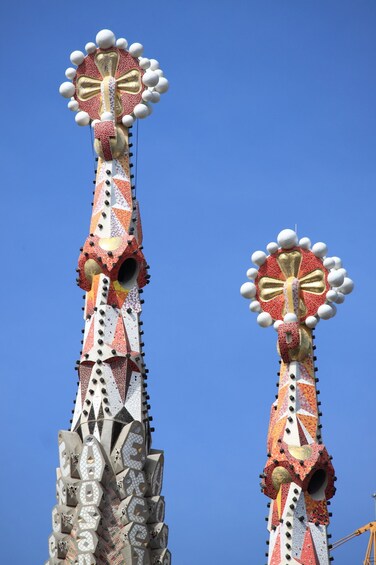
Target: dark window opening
317	485
128	273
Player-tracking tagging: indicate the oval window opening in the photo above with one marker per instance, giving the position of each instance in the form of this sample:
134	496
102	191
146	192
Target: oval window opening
128	273
317	485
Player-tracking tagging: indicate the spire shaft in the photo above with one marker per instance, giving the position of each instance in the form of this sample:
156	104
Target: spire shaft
294	287
110	510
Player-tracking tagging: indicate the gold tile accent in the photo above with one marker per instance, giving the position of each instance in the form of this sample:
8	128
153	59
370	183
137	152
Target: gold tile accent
269	288
313	282
107	63
280	476
300	451
110	243
290	263
91	268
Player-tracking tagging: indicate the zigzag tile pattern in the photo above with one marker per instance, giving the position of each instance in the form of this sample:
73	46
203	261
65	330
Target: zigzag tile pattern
110	510
298	476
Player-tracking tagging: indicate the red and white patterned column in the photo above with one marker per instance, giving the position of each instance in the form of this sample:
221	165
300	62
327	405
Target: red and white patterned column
110	510
295	286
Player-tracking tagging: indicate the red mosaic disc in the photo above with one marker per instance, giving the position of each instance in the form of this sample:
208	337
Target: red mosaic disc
309	269
114	62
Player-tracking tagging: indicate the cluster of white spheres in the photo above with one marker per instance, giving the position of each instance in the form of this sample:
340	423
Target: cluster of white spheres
340	283
153	78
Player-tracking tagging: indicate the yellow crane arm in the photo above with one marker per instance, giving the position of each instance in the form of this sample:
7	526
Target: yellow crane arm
366	528
371	526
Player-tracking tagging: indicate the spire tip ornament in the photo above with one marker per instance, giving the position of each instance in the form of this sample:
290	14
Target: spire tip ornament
320	281
112	78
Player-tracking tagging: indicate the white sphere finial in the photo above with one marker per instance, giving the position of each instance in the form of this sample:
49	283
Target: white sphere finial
122	43
305	243
248	290
311	322
67	89
320	249
258	258
82	118
105	39
287	239
77	57
90	47
162	85
150	78
136	49
264	320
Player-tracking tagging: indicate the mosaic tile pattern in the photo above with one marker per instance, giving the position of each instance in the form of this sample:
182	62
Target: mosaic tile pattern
110	510
290	289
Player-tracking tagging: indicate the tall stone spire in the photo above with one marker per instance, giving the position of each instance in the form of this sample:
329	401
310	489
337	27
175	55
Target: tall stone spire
294	287
109	506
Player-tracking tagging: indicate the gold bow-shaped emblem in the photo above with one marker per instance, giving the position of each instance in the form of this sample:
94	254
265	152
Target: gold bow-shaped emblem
107	63
289	264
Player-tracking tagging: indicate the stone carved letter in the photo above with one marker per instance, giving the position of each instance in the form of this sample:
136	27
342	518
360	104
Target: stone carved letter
136	535
90	492
88	518
136	556
154	472
129	451
91	463
156	509
161	557
134	483
69	449
87	541
134	509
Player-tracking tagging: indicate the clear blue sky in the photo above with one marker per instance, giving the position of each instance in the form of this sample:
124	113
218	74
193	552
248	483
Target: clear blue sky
270	122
